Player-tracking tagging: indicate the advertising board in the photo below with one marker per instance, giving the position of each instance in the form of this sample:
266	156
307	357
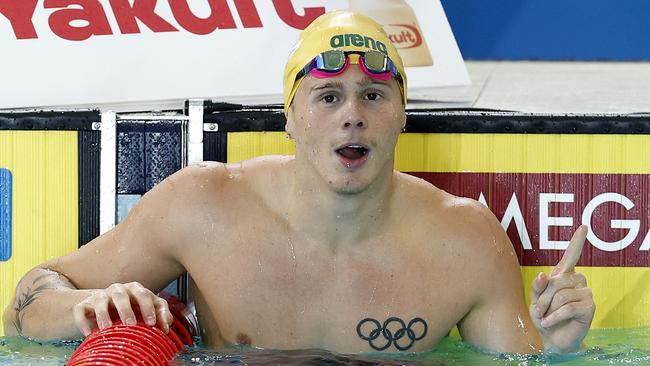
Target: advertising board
90	52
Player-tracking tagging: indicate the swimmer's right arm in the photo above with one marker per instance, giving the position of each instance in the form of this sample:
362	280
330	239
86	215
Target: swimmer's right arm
47	306
28	314
67	297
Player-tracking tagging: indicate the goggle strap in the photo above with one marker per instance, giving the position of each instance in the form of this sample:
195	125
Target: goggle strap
322	72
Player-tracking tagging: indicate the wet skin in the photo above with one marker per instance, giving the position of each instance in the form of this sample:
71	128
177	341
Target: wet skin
293	252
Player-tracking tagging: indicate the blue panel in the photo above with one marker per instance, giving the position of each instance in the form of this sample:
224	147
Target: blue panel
162	153
130	158
551	29
5	214
147	152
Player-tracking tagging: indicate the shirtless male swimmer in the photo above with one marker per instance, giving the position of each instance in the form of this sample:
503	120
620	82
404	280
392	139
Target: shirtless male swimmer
321	250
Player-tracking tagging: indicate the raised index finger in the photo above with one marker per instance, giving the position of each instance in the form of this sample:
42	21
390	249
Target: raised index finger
572	252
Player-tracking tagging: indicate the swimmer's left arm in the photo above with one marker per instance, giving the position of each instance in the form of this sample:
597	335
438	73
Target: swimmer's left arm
497	317
562	306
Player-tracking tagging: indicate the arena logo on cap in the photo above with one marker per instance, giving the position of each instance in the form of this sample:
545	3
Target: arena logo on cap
5	214
357	40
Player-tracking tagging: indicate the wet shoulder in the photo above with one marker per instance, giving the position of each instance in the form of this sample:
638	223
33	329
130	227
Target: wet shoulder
469	225
232	183
417	196
217	176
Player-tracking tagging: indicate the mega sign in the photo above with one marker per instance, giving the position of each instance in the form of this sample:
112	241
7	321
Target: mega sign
131	51
5	214
541	211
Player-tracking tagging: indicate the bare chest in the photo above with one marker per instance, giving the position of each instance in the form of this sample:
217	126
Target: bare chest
270	290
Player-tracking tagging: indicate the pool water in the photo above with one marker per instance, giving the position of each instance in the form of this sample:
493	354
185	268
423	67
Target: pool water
605	347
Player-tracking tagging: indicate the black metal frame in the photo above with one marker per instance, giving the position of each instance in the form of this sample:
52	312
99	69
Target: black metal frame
270	118
89	163
49	120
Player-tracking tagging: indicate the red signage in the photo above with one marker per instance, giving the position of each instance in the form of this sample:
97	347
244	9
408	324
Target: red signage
64	20
158	53
541	211
404	36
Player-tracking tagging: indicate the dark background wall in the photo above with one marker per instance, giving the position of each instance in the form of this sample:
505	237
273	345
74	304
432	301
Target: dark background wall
551	29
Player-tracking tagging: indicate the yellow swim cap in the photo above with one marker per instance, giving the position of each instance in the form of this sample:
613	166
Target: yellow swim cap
344	30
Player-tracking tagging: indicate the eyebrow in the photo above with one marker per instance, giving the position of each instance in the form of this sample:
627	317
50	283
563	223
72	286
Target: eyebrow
331	84
367	80
337	84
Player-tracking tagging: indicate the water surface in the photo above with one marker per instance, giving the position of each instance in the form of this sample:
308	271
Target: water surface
605	347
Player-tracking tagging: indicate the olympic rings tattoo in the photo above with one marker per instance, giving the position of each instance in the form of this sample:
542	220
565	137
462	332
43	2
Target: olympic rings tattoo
403	331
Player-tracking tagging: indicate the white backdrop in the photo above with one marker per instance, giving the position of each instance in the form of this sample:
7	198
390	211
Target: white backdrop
236	64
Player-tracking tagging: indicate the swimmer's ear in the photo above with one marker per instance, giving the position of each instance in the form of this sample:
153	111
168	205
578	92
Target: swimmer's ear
290	125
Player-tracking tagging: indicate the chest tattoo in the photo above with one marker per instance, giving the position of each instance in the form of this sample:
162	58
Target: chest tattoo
393	332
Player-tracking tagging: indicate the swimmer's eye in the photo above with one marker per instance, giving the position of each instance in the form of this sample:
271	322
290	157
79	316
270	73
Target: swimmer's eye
372	96
329	98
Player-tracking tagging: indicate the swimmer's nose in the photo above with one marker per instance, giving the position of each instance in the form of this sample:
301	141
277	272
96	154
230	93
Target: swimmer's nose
354	119
359	124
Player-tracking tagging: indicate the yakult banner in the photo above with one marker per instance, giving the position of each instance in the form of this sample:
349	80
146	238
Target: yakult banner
72	52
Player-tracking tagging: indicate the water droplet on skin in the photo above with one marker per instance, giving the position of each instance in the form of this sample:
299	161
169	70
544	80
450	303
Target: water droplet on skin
293	255
520	323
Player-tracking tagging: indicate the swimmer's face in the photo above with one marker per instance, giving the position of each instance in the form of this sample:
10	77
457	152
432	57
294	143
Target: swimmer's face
346	127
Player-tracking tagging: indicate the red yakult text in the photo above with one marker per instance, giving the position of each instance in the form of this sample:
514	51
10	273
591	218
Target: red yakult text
67	14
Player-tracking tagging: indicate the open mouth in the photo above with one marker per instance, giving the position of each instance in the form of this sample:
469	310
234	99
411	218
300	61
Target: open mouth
352	155
352	151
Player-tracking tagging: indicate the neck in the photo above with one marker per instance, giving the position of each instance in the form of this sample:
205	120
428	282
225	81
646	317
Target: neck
331	217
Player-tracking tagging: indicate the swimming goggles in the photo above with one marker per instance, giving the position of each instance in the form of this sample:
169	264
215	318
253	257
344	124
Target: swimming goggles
334	62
